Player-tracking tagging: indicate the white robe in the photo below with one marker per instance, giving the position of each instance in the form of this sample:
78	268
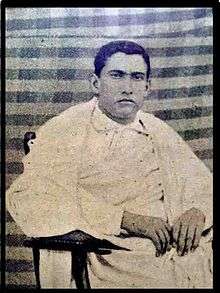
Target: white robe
84	170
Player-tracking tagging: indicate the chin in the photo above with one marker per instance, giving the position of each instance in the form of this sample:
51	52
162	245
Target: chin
126	115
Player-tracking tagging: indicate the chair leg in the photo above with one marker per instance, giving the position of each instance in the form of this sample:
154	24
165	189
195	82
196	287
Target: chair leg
79	269
36	259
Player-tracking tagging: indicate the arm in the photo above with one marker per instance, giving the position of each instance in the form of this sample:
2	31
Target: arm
46	200
195	181
150	227
40	199
189	190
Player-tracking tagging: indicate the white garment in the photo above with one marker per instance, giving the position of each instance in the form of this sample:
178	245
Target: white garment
84	170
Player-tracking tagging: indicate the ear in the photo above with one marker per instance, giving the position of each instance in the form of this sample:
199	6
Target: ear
148	87
95	83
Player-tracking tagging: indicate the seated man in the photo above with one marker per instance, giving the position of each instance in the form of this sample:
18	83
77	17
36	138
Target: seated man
115	172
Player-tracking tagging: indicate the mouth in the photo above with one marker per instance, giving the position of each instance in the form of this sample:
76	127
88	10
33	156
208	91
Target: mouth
126	101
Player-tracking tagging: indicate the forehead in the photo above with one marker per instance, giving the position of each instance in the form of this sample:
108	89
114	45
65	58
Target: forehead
125	62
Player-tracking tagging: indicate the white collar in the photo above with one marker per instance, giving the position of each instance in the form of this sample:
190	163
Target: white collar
103	123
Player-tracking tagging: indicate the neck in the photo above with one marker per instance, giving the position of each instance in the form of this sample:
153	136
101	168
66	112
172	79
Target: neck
123	121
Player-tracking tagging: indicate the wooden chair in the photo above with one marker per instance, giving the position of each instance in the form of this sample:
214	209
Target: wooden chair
78	242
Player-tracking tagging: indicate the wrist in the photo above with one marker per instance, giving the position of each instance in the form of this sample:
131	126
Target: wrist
132	223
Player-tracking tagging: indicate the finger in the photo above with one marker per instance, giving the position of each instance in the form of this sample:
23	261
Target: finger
181	239
156	243
173	241
196	238
175	231
157	253
168	227
169	246
189	239
162	240
167	236
170	236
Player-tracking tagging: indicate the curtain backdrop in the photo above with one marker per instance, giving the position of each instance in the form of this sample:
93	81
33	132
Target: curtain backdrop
49	61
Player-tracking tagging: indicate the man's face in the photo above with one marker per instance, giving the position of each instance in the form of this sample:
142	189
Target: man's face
122	86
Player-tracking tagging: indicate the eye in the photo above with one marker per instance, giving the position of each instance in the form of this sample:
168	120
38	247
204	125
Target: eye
116	74
137	76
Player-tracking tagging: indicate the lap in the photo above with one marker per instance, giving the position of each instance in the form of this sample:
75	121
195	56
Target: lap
138	268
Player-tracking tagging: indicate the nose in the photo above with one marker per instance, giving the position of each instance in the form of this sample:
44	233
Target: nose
127	86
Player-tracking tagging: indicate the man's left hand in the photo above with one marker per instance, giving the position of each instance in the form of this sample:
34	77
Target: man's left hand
187	231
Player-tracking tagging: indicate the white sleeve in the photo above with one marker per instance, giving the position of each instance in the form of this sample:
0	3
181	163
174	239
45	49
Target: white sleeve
45	200
193	180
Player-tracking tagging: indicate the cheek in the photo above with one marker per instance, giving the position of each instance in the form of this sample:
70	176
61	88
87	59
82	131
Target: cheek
139	87
111	86
139	91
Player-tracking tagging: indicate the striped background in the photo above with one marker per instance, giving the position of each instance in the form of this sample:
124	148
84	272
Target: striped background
49	60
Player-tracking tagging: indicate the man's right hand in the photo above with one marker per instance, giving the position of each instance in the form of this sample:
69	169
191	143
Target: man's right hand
156	229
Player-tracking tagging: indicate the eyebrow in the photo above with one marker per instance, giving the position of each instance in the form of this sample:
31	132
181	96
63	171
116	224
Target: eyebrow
117	70
138	72
124	72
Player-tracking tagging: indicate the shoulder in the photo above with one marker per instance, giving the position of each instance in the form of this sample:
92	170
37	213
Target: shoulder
69	122
152	123
162	132
61	133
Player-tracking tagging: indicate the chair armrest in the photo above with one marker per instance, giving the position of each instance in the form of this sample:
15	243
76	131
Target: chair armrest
27	137
74	240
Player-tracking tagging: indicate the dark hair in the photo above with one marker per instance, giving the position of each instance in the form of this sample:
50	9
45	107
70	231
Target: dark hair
126	47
